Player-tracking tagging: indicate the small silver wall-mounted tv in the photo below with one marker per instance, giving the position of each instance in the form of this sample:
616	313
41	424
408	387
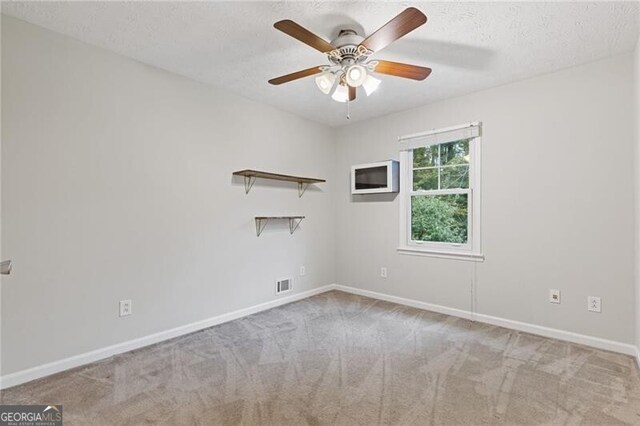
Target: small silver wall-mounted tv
375	178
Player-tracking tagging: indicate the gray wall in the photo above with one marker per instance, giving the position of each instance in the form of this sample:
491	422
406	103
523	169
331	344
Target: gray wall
636	76
557	203
116	184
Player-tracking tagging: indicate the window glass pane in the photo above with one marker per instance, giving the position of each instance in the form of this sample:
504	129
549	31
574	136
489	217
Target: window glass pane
439	218
425	179
454	177
426	156
454	153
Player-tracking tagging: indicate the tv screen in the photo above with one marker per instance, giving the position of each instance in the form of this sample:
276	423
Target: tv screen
371	177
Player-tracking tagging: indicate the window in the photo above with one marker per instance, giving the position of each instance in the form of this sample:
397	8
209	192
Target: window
440	193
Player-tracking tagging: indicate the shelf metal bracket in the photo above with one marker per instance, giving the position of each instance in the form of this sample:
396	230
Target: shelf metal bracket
248	183
302	186
260	225
294	224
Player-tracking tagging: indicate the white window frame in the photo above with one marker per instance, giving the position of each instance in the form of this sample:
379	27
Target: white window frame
472	249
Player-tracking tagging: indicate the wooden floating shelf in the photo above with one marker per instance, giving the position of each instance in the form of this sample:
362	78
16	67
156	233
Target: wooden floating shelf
261	222
250	177
276	176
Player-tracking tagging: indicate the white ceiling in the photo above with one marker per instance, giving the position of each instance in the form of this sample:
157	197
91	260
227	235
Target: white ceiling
470	46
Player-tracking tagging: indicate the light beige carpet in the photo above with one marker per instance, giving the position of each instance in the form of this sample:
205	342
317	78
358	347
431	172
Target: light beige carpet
342	359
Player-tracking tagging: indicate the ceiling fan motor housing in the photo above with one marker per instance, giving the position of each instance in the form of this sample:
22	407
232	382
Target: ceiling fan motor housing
347	45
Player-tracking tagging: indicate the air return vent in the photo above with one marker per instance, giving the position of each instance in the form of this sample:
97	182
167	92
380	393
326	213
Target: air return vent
283	285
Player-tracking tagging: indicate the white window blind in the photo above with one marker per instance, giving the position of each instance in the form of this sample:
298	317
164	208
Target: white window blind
450	134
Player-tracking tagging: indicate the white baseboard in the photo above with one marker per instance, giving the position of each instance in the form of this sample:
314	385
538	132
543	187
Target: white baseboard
407	302
596	342
38	372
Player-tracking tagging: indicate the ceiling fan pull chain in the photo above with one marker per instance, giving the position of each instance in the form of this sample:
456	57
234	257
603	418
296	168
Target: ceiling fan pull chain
348	113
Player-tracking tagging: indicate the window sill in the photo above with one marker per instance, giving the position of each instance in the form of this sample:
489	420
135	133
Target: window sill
415	251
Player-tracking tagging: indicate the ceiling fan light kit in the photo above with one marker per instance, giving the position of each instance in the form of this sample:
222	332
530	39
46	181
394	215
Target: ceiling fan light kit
356	74
370	84
341	94
349	53
325	82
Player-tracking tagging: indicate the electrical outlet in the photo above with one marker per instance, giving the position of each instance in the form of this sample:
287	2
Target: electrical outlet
554	296
383	272
303	271
594	304
125	308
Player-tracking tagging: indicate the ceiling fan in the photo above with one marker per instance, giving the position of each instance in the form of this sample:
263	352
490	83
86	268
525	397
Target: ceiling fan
349	56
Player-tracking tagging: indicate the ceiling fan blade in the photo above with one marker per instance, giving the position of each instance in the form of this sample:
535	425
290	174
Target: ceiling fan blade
296	75
352	93
407	21
298	32
398	69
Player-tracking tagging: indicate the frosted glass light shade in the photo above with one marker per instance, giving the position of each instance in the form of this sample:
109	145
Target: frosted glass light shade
325	82
370	84
341	94
356	74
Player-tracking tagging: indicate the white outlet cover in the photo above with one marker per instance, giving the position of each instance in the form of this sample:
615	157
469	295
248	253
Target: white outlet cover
126	307
303	271
594	304
554	296
383	272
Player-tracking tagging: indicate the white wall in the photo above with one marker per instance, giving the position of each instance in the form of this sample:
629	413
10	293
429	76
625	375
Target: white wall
636	75
116	184
1	257
556	211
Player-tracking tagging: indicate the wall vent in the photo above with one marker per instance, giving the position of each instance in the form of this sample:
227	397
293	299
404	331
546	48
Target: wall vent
283	285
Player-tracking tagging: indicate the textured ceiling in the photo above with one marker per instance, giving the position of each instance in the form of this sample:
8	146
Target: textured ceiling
470	46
